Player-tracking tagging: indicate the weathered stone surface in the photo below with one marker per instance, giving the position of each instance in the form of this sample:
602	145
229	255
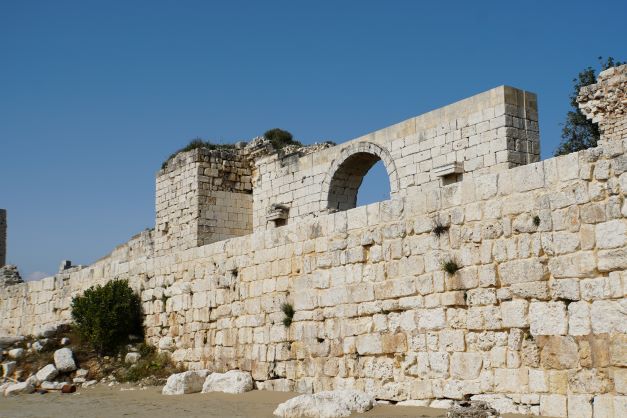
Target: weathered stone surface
466	365
548	318
49	372
327	404
64	360
553	405
558	352
186	382
233	381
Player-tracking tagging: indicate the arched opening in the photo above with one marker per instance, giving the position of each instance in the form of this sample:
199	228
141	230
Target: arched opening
346	181
375	186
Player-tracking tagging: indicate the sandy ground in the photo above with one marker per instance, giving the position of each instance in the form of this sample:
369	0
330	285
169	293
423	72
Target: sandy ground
106	402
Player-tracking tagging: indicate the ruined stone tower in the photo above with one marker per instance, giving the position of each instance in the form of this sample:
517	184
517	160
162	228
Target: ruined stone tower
3	237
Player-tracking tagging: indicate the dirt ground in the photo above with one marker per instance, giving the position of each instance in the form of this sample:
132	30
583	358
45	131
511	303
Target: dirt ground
117	401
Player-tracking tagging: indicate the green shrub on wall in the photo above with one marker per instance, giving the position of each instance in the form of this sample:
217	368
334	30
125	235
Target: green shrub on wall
106	315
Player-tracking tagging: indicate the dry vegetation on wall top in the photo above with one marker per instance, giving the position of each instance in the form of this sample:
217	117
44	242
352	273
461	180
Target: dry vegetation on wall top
279	139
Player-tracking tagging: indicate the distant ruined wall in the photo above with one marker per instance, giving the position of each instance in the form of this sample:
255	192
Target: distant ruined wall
534	321
3	237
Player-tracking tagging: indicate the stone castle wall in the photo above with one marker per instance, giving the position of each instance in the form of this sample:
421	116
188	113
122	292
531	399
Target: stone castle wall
534	320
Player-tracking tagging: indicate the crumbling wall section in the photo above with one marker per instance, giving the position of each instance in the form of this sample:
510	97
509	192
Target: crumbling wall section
605	102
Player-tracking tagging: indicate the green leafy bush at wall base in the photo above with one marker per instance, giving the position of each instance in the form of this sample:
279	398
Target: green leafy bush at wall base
106	315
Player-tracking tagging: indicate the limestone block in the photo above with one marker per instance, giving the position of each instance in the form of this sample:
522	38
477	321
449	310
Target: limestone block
466	365
548	318
620	381
431	318
186	382
438	364
579	318
520	271
481	297
64	360
233	381
19	389
580	264
591	381
565	289
558	352
617	353
579	406
609	316
538	381
511	380
514	313
369	344
611	234
610	260
49	372
452	340
553	405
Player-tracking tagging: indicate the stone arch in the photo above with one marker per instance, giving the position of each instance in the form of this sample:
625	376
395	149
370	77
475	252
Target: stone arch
347	171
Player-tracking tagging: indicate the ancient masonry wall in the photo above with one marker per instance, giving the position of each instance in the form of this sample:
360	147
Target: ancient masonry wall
203	196
489	132
534	320
3	237
536	314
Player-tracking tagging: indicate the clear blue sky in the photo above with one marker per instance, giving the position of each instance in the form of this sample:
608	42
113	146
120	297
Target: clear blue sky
94	95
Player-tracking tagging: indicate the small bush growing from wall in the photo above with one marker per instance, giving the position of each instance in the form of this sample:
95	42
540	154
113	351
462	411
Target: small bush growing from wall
288	310
280	138
536	220
106	315
439	229
450	266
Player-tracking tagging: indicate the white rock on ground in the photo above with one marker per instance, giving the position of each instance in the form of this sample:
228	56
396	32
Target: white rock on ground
328	404
132	358
16	353
89	383
19	388
65	341
63	360
81	373
49	372
233	381
186	382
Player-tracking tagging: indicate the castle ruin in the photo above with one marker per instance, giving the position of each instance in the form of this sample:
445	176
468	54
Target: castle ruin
533	320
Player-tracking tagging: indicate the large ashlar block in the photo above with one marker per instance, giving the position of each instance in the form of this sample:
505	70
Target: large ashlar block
519	271
548	318
466	365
